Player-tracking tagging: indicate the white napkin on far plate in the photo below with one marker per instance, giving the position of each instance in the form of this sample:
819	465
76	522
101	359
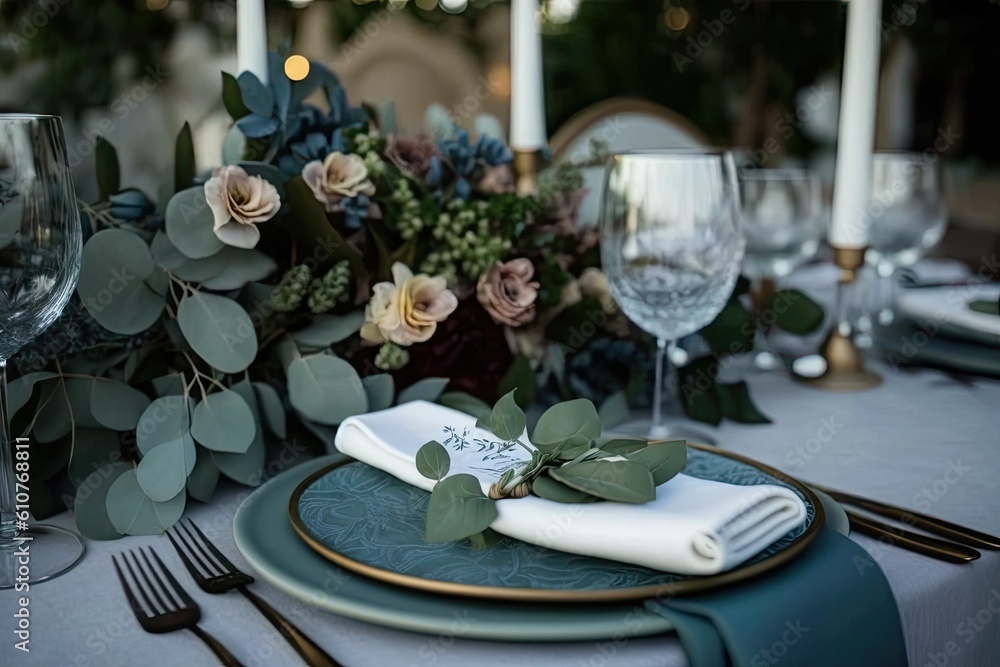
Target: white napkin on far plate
694	526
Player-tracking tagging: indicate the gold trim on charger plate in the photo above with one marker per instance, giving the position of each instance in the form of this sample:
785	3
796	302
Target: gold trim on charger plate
657	591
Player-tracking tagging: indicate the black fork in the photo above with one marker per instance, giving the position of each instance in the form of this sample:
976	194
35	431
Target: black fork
173	609
214	573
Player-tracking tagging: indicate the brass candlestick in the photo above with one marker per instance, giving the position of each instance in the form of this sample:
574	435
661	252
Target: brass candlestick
527	165
844	365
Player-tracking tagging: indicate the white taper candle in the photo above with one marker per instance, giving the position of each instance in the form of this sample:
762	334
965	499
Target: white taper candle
527	103
859	94
251	38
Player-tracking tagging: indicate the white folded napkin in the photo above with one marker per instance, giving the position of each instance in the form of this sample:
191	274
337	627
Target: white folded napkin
950	304
694	526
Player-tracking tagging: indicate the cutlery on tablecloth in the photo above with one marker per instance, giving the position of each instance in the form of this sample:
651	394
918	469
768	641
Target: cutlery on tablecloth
174	608
214	573
915	542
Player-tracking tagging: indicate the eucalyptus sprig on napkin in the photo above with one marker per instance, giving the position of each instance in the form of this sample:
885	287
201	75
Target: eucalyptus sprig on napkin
570	463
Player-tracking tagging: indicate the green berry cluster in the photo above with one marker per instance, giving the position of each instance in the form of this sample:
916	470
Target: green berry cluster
288	293
408	222
468	245
331	289
363	143
391	357
374	162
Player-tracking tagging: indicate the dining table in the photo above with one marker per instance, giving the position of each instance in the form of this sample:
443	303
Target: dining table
926	439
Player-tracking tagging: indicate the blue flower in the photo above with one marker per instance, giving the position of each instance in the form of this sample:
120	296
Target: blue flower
356	208
314	146
492	151
130	204
463	160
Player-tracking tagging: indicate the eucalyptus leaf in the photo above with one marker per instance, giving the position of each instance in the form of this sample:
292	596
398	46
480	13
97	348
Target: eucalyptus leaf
19	391
433	461
164	252
114	266
184	160
93	451
79	391
223	422
623	445
169	512
271	408
168	385
219	331
545	487
325	330
566	421
163	470
507	420
130	509
380	390
663	459
326	389
485	539
618	481
795	312
736	404
116	405
165	420
570	449
232	98
90	504
314	233
614	410
428	389
463	402
204	478
53	419
190	224
457	509
246	468
240	266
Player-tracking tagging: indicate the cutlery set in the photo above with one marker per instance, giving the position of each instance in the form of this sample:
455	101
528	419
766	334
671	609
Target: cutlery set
161	605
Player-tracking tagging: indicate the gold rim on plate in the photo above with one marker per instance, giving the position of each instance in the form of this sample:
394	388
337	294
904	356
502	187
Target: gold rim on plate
673	589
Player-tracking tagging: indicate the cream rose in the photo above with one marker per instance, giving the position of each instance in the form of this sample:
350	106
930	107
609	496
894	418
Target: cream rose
337	177
507	294
239	203
407	310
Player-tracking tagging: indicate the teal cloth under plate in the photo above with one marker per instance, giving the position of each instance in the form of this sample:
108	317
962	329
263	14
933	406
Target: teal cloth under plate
830	607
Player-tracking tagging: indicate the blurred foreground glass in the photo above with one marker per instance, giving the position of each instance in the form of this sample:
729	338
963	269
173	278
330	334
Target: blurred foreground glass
670	245
907	218
783	223
40	245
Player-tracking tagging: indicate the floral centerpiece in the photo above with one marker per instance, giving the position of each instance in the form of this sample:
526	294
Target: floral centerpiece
325	270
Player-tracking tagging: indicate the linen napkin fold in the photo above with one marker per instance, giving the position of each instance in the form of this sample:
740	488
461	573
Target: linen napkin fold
694	526
830	607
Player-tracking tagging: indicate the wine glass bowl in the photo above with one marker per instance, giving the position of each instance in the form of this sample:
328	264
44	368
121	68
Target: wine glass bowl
671	244
783	220
40	250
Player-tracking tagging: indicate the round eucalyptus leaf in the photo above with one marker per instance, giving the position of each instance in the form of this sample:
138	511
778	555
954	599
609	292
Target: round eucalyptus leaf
168	513
79	392
112	287
240	267
432	460
566	421
545	487
116	405
507	419
233	145
199	270
130	509
428	389
166	253
271	407
90	505
53	419
223	422
204	478
163	470
325	330
169	385
457	509
165	420
190	224
326	389
380	390
219	331
248	467
93	450
19	391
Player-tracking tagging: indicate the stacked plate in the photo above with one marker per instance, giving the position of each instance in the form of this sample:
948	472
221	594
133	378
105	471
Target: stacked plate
346	538
953	326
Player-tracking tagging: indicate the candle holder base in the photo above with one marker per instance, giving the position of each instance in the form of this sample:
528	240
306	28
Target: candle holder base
527	165
839	366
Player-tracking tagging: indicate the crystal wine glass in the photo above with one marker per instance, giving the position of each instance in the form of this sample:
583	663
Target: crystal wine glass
40	246
783	224
670	245
908	217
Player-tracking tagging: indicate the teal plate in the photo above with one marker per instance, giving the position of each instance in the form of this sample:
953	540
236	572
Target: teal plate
368	521
265	538
905	343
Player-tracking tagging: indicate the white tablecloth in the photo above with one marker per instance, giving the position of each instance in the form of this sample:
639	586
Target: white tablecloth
924	440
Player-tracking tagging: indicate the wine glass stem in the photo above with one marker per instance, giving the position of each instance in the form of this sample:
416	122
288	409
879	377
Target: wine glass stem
8	502
657	429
